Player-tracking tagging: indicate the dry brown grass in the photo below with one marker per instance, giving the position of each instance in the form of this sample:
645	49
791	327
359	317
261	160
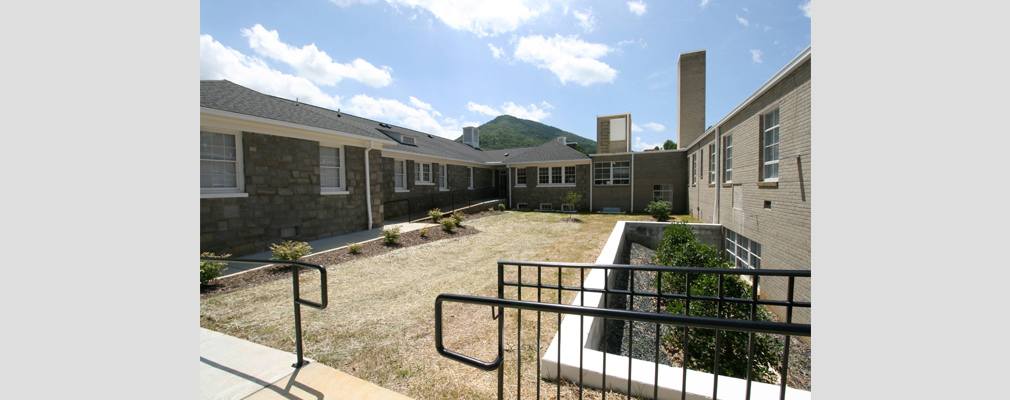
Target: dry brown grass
379	325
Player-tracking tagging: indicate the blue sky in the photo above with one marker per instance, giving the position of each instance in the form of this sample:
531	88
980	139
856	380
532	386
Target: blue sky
440	65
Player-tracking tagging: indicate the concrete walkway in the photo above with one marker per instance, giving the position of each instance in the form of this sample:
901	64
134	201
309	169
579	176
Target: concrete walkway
330	243
233	369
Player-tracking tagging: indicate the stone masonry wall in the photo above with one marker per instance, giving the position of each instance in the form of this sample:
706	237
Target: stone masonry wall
282	182
534	195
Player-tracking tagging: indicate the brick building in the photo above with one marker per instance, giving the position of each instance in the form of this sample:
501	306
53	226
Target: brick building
274	169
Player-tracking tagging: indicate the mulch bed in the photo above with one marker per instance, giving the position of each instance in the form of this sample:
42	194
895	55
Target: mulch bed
228	284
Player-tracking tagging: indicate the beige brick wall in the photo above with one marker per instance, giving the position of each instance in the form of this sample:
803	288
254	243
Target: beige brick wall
783	230
701	195
690	97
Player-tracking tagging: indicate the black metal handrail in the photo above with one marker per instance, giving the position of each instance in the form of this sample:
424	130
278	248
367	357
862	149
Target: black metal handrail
467	197
298	301
686	322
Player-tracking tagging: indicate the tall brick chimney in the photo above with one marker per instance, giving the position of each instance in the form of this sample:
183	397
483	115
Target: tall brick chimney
691	97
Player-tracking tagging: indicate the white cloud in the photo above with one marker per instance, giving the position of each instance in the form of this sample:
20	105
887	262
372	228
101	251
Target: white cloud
746	10
639	145
569	58
806	9
531	112
480	108
635	127
482	17
221	62
655	126
586	19
497	52
418	116
755	56
703	4
743	21
314	64
348	3
637	7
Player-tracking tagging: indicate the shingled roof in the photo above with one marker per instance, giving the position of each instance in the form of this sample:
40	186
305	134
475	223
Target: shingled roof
227	96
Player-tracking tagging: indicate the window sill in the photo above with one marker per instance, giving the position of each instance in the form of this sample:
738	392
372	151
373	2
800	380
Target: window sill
443	189
619	184
222	195
771	184
401	190
424	183
469	188
727	184
711	185
556	185
333	192
520	186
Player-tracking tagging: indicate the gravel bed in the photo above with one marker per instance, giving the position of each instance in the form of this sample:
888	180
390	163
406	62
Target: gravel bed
644	334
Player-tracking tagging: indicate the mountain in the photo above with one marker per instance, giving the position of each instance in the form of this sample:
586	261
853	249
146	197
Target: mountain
506	131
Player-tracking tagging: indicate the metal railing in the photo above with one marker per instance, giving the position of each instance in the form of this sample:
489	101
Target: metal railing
447	201
545	305
296	294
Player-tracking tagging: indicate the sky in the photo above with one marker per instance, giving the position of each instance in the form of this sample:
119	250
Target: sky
440	65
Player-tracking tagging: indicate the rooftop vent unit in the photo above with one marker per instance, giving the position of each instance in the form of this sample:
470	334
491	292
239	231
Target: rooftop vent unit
471	136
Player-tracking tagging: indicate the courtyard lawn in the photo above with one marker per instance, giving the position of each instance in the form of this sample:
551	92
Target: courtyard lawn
379	325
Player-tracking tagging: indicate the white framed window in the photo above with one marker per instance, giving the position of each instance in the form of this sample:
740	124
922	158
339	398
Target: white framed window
741	251
566	207
469	177
443	181
662	193
522	206
711	163
694	169
521	176
770	146
546	206
727	158
408	140
399	175
220	164
612	173
556	176
422	173
331	178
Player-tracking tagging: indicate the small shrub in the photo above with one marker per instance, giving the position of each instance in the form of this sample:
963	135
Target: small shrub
209	270
435	215
458	218
448	224
501	207
423	232
660	210
490	209
290	250
354	248
391	235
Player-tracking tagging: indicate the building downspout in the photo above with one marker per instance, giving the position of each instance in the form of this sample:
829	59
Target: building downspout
368	184
718	173
632	184
508	184
592	182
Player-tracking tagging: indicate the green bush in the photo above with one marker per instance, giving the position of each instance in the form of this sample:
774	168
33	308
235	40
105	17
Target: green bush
501	207
391	235
435	215
289	250
660	210
680	247
448	224
458	218
423	232
490	209
354	248
209	270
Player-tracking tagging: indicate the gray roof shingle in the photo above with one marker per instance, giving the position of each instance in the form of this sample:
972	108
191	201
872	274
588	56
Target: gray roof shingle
227	96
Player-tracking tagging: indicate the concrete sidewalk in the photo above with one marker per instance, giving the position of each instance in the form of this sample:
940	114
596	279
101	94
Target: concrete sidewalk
328	244
233	369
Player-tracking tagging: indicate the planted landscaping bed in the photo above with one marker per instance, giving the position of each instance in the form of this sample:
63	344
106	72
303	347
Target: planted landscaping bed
228	284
